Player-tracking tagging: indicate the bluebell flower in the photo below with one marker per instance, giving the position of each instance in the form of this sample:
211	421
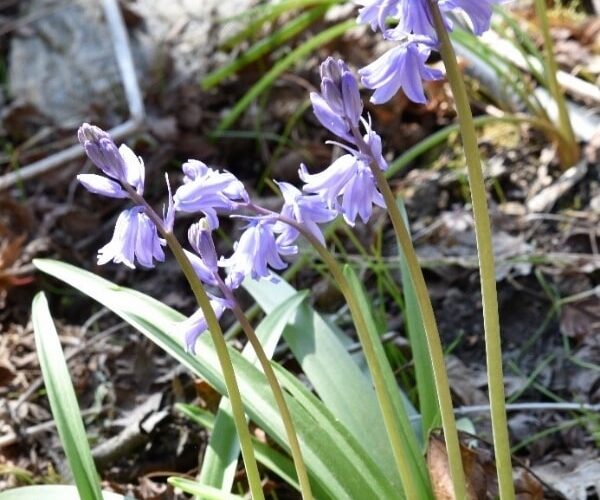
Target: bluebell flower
339	106
413	16
194	326
206	190
307	210
135	239
375	12
121	165
204	261
349	178
401	67
255	252
478	11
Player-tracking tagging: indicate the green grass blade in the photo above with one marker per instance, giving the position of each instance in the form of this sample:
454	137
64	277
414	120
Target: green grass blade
399	401
333	458
428	401
63	401
264	46
221	456
334	374
54	492
292	58
263	14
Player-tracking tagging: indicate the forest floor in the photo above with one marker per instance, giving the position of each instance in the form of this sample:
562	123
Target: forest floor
547	247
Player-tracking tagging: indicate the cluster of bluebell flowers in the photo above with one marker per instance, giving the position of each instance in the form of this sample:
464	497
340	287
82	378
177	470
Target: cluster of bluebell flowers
347	187
412	28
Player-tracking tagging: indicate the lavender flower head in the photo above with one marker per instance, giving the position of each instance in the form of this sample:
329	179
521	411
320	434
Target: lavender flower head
414	16
206	190
255	252
204	261
350	179
135	238
401	67
194	326
307	210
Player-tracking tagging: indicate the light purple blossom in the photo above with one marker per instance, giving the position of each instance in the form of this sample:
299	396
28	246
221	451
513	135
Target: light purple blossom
194	326
120	164
204	261
135	239
401	67
375	12
414	16
255	252
206	190
478	11
349	178
308	210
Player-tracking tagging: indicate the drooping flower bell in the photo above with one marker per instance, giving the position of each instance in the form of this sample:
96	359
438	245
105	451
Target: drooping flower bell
307	210
402	67
414	16
204	260
255	252
135	239
206	190
350	179
194	326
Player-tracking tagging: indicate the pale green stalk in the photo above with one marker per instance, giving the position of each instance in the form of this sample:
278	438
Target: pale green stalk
434	344
400	451
569	153
284	411
485	251
216	334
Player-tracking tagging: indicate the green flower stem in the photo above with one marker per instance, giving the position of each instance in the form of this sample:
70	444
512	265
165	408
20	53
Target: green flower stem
286	417
570	154
220	346
486	259
401	456
432	335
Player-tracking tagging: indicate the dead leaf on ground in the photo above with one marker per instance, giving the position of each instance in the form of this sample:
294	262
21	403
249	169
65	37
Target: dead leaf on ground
480	472
581	320
576	475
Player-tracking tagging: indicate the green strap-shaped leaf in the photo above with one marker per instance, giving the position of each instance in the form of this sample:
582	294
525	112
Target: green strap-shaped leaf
334	459
398	398
428	401
63	401
54	492
334	374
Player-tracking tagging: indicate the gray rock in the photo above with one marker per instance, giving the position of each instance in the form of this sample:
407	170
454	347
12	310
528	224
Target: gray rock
63	62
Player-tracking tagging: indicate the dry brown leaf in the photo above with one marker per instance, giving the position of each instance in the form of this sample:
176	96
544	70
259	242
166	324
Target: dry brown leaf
581	319
575	475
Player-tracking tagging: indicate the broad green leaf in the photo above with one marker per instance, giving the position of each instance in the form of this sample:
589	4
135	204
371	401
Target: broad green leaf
333	373
221	456
399	401
201	490
332	458
428	401
275	461
54	492
63	402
